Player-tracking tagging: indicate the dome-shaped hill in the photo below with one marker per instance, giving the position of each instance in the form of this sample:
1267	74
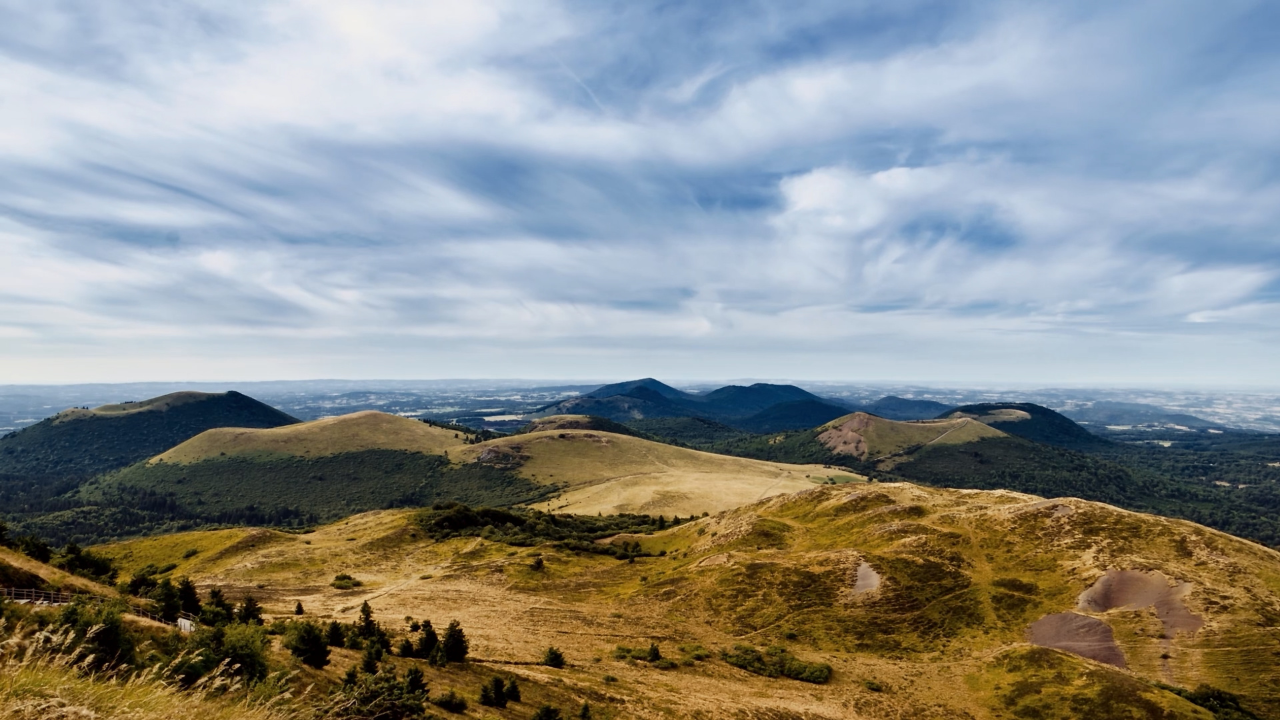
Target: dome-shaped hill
867	437
85	442
1032	422
368	430
596	471
578	422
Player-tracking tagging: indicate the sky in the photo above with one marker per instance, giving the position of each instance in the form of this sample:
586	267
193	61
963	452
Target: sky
1057	193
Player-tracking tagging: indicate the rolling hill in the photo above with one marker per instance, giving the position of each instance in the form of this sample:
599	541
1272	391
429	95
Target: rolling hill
325	469
923	603
594	471
304	473
1032	422
83	442
733	404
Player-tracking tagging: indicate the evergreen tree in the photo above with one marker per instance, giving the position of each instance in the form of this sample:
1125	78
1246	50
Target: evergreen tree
216	611
654	654
585	712
366	627
455	643
372	656
188	596
428	641
437	657
307	643
414	681
167	603
493	693
406	648
250	612
297	608
512	692
335	636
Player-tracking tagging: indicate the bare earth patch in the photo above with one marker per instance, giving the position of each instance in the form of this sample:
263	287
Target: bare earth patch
1078	634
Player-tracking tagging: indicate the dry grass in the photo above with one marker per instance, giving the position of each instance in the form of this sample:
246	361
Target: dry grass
783	571
40	680
367	430
164	402
611	473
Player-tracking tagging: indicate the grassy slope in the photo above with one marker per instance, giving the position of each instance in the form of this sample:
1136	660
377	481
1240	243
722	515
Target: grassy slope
605	472
941	636
884	438
367	430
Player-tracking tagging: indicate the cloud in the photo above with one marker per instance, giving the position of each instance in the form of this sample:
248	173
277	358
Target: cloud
410	188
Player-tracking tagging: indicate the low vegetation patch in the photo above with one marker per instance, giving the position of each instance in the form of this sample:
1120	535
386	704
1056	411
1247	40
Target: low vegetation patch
776	661
528	528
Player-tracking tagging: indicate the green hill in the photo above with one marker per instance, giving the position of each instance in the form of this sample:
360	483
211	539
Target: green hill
1032	422
294	475
83	442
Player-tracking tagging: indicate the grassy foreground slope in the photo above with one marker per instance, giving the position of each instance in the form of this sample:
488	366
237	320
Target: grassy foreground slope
921	600
594	471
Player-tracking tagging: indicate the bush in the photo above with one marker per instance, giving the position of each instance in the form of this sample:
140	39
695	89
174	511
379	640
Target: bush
307	642
546	712
553	658
451	701
382	696
775	662
343	581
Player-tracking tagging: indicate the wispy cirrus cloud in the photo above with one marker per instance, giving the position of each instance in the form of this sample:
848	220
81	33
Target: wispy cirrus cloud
1083	192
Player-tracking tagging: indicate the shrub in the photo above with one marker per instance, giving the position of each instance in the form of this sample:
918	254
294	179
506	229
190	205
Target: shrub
382	696
546	712
553	658
513	690
775	662
307	643
451	701
343	581
427	641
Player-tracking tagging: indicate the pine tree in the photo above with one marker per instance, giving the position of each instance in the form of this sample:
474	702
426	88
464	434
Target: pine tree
513	690
367	627
372	656
250	611
414	682
428	641
585	712
307	643
455	643
406	648
486	696
437	657
335	635
493	693
297	608
188	596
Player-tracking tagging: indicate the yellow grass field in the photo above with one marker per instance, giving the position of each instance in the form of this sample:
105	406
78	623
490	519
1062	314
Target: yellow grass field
601	472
